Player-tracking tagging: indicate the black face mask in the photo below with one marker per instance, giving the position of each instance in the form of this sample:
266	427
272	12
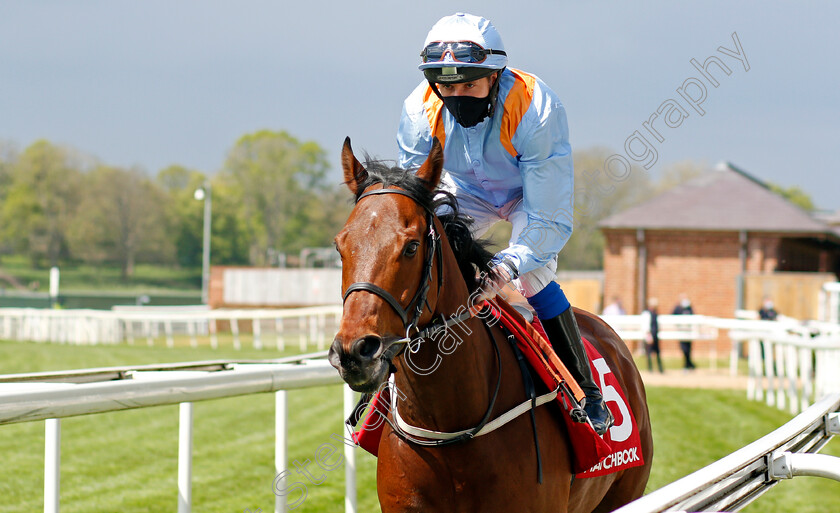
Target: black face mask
468	111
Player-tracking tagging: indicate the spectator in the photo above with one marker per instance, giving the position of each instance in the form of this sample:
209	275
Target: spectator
651	329
684	308
614	308
768	311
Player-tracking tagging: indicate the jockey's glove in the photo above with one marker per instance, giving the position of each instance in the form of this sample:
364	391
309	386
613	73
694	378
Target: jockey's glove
492	281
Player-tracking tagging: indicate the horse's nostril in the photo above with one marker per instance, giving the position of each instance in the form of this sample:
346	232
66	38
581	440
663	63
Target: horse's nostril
369	346
335	353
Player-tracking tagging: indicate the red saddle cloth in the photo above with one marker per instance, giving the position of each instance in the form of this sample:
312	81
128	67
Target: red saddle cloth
618	449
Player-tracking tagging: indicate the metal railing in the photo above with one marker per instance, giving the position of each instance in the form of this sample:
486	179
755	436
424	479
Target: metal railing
734	481
728	484
789	366
308	325
829	303
51	396
731	482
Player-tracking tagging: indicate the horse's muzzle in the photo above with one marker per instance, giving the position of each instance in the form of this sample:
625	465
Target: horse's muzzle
363	367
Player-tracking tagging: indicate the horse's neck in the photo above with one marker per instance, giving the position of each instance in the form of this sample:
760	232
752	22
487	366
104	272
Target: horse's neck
448	384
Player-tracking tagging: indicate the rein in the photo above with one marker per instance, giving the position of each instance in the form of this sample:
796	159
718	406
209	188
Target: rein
417	304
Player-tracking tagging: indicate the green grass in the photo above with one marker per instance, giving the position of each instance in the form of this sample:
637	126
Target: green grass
127	461
80	277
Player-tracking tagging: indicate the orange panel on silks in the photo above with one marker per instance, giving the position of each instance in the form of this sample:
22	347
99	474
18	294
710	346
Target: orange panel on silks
516	105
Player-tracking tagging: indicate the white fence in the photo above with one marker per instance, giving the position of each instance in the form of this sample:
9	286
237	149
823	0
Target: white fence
790	368
671	327
829	303
725	485
53	396
312	325
789	364
729	483
738	479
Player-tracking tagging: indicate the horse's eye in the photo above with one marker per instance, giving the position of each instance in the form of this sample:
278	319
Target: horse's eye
411	249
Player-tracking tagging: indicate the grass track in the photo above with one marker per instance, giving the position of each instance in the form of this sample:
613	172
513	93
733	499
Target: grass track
127	461
77	276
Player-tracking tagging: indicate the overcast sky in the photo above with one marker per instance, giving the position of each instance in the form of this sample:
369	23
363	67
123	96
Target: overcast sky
155	83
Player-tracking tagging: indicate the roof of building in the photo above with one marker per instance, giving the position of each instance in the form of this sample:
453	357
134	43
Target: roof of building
727	199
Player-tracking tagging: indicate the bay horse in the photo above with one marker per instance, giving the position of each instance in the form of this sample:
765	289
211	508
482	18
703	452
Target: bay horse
404	267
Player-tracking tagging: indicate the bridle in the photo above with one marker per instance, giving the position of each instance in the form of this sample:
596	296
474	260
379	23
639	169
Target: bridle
416	305
420	300
415	308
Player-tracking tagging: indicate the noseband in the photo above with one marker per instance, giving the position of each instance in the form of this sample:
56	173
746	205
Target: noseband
419	300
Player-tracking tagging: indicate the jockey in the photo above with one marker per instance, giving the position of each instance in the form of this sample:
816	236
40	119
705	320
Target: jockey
507	157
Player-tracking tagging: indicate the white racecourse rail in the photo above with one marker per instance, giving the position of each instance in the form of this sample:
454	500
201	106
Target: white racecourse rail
790	365
738	479
53	396
126	325
727	484
829	303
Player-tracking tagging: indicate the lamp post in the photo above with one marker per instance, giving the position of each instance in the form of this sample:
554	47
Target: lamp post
203	193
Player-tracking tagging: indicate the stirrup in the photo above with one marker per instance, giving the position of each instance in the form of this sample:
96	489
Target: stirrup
608	422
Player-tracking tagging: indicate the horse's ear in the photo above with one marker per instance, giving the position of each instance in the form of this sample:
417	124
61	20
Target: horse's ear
432	168
354	173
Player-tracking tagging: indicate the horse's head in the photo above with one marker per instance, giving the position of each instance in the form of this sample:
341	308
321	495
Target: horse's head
387	249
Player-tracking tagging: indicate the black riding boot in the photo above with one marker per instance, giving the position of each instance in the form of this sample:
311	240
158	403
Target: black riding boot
564	335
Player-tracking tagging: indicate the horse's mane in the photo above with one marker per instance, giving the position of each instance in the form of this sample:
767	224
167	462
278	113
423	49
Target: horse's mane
471	254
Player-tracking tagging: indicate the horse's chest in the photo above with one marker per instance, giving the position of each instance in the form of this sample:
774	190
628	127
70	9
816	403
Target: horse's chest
465	482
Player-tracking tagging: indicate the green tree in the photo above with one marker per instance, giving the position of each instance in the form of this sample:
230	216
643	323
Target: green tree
598	196
795	195
678	173
121	219
8	157
186	219
43	194
323	216
276	180
229	237
185	215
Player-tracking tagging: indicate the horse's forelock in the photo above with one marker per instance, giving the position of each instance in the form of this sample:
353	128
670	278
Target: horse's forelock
470	253
388	176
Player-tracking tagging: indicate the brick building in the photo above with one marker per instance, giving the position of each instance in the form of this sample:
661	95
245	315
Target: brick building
705	237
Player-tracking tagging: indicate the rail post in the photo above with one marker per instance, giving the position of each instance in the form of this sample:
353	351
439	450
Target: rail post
280	448
52	465
185	438
349	457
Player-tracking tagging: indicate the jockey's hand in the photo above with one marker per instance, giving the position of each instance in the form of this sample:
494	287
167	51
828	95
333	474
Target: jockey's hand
491	282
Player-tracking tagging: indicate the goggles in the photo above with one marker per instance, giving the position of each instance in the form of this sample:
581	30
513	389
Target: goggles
462	51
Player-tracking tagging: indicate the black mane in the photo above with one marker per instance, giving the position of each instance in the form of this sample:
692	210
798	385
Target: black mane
471	255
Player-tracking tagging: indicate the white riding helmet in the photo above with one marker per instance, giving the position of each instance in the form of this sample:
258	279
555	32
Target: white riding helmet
462	48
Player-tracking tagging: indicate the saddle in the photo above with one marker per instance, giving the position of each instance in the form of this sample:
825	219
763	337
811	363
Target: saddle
592	455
